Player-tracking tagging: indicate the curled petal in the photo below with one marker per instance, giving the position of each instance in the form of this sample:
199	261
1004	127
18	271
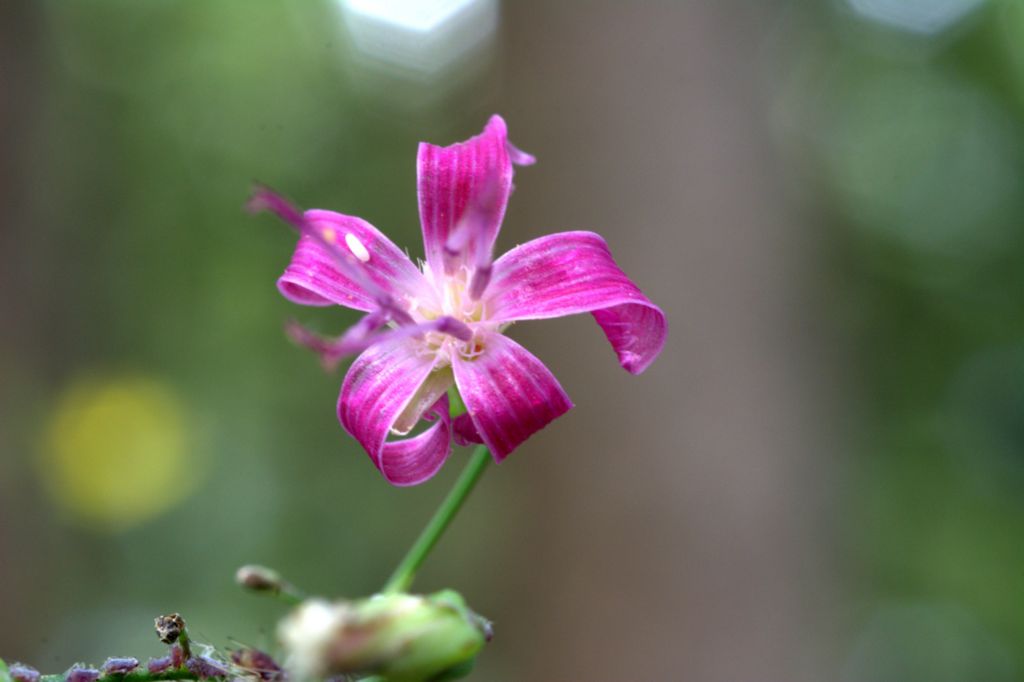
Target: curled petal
509	393
474	176
574	272
378	273
378	387
342	259
414	460
423	401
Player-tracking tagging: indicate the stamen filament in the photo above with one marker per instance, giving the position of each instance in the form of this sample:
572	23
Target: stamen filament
366	332
265	199
356	339
479	281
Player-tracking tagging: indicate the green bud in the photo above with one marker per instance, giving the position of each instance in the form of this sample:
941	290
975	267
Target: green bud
4	675
401	637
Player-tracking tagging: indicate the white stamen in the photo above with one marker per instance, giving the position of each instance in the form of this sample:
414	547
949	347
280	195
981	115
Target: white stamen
357	248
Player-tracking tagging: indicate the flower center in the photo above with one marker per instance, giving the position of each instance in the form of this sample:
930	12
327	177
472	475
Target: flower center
455	299
450	298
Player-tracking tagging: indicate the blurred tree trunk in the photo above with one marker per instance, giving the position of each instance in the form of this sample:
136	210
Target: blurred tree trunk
686	537
19	89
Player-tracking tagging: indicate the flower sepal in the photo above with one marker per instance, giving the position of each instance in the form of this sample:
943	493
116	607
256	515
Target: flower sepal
399	637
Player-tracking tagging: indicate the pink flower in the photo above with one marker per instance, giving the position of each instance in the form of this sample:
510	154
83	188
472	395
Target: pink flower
443	323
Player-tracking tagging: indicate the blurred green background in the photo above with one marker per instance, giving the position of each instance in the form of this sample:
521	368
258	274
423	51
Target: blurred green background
820	479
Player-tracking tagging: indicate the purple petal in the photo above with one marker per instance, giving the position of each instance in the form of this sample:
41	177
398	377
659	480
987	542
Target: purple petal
120	666
508	392
573	272
159	665
342	257
378	387
468	242
78	674
420	406
314	276
451	180
414	460
23	673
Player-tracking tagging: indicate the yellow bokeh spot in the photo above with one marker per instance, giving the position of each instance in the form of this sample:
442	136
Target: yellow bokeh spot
116	451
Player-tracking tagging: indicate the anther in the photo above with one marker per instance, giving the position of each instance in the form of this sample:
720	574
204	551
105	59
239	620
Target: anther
357	248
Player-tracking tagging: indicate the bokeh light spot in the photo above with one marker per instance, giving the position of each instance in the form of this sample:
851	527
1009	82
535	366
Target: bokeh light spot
425	40
116	452
926	17
415	15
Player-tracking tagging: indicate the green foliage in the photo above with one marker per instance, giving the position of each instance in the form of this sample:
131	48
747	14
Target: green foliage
920	140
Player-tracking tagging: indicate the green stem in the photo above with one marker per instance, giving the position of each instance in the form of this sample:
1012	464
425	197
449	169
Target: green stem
403	576
185	643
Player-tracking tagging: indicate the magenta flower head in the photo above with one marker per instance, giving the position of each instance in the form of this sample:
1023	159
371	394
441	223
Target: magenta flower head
441	324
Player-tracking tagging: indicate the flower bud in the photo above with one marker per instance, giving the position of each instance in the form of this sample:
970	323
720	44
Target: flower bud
22	673
169	628
119	666
205	667
257	663
80	673
402	637
258	578
155	666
